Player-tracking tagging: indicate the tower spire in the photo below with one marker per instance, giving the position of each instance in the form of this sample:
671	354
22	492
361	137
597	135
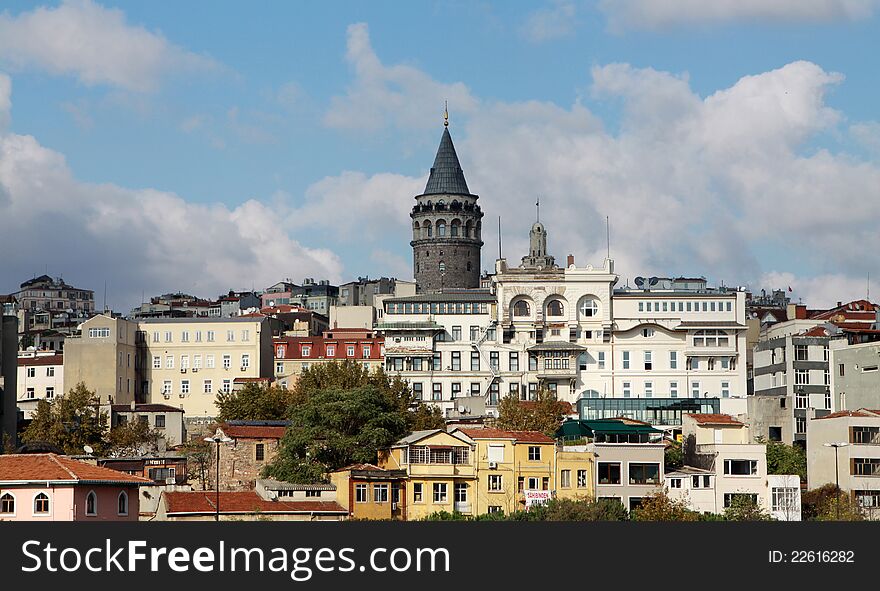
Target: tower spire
538	209
445	113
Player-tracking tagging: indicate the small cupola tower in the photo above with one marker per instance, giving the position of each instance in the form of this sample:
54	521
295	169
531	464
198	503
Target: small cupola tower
538	257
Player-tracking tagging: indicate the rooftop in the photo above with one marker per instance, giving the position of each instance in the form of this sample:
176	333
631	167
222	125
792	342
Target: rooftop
714	419
203	502
518	436
46	468
447	177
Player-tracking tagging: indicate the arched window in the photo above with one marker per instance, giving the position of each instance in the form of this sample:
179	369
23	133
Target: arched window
122	503
521	308
589	308
7	503
454	228
417	231
554	308
469	266
468	229
91	503
442	267
426	229
710	338
41	503
441	229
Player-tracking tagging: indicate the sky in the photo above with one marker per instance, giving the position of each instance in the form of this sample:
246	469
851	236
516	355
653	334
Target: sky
206	146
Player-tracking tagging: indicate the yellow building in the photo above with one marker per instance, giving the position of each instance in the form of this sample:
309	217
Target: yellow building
370	492
510	465
574	474
440	471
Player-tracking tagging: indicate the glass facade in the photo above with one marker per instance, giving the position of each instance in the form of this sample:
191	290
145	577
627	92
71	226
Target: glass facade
656	411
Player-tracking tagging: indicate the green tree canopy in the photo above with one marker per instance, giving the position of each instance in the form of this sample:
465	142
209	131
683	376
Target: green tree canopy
254	402
827	504
673	457
70	421
744	508
553	510
785	459
543	414
335	428
133	438
659	507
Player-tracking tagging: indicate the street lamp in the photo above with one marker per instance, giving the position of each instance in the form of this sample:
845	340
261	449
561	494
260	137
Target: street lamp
836	445
218	438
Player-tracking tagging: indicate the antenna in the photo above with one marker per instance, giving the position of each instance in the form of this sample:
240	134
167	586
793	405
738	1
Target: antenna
499	237
445	113
105	295
868	291
538	207
608	234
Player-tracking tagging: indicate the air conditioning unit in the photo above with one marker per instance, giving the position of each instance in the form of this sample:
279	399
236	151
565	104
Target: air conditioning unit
166	396
182	370
493	465
244	368
169	480
394	506
182	395
195	369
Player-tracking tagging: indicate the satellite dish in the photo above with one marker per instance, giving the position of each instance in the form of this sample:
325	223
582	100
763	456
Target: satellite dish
654	280
640	281
88	449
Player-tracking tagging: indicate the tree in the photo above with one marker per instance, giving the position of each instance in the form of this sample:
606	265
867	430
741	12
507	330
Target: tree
659	507
823	504
744	508
673	457
552	510
134	438
785	459
70	421
198	459
544	414
335	428
254	402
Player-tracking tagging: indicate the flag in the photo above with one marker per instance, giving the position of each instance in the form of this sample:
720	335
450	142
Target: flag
789	288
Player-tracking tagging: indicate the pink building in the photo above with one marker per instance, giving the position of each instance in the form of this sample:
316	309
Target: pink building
49	487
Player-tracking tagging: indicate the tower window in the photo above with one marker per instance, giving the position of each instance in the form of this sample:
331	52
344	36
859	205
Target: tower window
521	308
442	267
469	266
441	229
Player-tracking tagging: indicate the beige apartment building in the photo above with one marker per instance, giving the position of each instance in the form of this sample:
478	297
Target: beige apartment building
105	358
188	361
182	362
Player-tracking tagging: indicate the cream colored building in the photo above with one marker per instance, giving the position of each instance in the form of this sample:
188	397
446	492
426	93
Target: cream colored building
104	356
188	361
40	377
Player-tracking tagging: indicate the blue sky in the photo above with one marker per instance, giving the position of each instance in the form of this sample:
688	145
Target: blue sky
282	119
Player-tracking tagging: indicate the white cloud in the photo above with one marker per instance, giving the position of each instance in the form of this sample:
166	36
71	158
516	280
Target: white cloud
554	22
867	134
658	14
383	96
95	44
139	239
821	291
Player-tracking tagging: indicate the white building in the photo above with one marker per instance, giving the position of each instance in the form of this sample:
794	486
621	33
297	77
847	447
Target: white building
40	377
651	353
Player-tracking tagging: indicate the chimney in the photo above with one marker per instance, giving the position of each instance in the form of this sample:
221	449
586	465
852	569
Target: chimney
801	312
839	304
570	260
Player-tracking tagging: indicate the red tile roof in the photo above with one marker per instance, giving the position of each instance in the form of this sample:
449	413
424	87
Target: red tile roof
55	468
57	359
146	407
197	502
253	431
520	436
714	419
862	412
371	467
292	347
566	406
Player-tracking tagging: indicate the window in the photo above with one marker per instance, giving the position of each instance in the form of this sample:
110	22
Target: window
7	503
554	308
783	499
159	421
230	336
436	391
440	493
475	331
513	360
380	493
30	393
865	435
589	308
157	362
641	306
260	452
418	391
227	361
417	492
456	361
209	361
227	386
360	493
437	361
456	390
625	359
725	389
122	501
675	483
50	371
50	392
741	467
673	360
800	424
627	390
155	336
565	479
210	336
600	360
608	472
91	503
534	453
495	509
493	360
695	389
197	362
184	362
649	389
647	332
533	362
169	362
41	504
456	333
582	479
245	335
99	333
475	361
644	473
649	364
496	483
800	353
475	388
245	361
801	377
167	336
710	338
184	336
279	368
747	498
207	387
521	308
868	499
184	386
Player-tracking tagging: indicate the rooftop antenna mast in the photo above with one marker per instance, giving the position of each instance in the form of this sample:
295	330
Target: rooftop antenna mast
608	235
445	113
538	208
499	238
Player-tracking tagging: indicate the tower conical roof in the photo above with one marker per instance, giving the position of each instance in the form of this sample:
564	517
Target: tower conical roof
446	174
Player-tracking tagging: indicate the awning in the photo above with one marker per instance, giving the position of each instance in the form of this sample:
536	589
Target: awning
573	429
